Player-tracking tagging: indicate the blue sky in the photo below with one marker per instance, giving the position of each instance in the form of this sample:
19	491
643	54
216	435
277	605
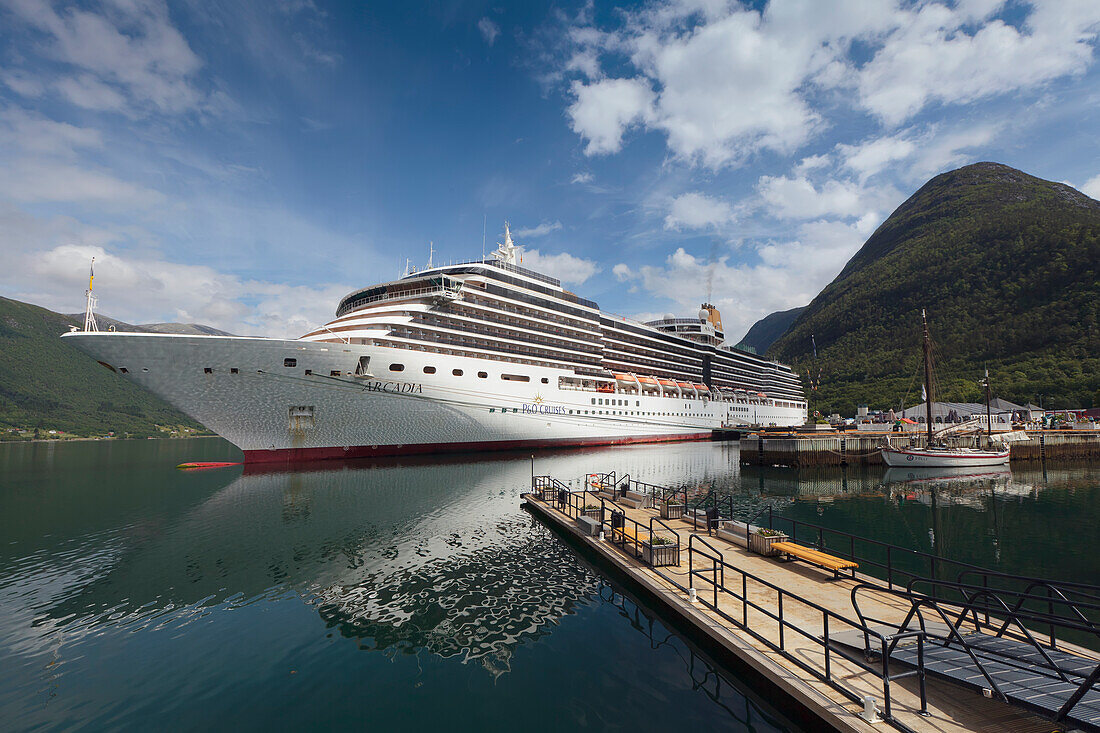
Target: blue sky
246	164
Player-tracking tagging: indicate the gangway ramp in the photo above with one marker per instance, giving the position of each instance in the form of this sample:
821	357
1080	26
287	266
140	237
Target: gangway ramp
1059	683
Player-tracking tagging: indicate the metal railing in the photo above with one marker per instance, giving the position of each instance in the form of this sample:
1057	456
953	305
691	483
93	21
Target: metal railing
1028	655
656	543
830	620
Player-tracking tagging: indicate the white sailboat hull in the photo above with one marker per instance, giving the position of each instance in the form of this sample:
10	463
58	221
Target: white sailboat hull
943	458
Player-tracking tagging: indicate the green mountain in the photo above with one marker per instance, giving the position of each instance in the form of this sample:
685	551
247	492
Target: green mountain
49	385
1007	266
769	328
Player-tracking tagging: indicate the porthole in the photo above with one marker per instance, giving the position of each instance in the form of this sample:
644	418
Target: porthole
235	370
482	375
397	367
290	362
429	370
207	370
456	372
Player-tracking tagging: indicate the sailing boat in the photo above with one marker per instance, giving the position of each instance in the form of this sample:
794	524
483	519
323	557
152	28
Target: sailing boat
939	456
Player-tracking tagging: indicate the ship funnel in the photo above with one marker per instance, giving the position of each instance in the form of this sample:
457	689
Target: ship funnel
710	314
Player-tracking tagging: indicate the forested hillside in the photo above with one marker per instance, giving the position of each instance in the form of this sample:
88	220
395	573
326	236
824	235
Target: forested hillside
1007	266
47	384
769	328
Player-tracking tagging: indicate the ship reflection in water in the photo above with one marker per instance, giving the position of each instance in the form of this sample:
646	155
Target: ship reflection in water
170	588
393	592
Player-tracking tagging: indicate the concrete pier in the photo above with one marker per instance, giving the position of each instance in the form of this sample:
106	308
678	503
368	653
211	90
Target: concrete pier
854	447
790	663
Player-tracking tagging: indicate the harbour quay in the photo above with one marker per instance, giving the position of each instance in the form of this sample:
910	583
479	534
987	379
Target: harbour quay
839	631
841	448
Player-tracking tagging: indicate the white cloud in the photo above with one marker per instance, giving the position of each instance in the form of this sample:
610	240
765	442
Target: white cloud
798	198
1092	187
38	181
489	30
602	111
88	92
47	264
934	57
872	157
697	211
622	272
584	177
787	273
563	266
539	231
812	163
948	150
129	48
723	82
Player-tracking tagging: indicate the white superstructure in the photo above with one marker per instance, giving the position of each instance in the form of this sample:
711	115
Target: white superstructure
471	356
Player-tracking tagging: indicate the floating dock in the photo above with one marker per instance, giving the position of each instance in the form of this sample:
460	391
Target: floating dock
852	447
832	647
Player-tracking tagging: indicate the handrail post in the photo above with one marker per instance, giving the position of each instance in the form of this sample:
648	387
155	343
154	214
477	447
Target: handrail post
825	629
885	680
744	600
920	675
781	646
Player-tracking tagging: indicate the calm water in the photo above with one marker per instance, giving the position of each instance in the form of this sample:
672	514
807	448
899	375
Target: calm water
412	593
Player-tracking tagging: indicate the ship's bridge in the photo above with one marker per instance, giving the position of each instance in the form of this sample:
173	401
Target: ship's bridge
433	286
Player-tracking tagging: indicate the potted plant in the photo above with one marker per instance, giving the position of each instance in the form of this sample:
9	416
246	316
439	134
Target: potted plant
762	539
671	509
591	510
661	550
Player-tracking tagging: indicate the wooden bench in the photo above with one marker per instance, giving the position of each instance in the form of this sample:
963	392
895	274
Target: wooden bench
816	557
628	533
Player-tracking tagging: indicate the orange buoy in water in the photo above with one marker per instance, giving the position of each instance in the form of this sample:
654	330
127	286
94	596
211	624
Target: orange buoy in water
207	464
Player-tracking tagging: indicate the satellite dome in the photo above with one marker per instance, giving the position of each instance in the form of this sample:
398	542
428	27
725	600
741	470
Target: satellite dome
704	314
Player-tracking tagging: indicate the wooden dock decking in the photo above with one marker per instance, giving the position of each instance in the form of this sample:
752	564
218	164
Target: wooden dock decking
950	707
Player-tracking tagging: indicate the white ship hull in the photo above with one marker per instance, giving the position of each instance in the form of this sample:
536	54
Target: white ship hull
947	458
244	390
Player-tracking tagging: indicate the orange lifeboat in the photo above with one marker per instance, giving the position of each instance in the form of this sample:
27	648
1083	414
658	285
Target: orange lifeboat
761	394
624	378
605	387
647	380
702	387
684	385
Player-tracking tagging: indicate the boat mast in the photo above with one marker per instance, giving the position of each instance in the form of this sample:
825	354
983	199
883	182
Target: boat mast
988	418
927	375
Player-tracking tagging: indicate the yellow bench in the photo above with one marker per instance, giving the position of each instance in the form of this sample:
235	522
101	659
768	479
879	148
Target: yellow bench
629	533
816	557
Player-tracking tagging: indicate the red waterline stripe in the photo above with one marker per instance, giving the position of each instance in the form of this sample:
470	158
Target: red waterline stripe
280	455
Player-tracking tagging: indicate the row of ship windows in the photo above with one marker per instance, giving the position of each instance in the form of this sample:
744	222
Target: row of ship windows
625	403
506	334
638	413
528	321
481	375
413	346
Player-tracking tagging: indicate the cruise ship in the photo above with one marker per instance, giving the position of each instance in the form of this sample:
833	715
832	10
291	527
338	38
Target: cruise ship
481	355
